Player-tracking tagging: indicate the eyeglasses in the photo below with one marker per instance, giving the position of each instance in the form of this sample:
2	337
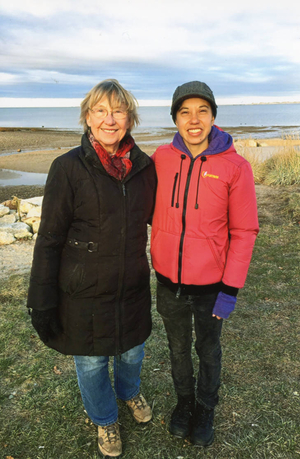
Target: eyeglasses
102	112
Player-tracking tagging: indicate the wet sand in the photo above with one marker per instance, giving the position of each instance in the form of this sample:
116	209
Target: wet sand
33	150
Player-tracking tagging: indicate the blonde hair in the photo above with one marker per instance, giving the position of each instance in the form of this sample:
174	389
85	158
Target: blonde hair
116	96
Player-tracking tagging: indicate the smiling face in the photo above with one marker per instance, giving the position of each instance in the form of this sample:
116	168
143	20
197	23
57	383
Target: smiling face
107	131
194	120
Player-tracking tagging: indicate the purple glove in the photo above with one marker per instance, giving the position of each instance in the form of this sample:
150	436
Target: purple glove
224	305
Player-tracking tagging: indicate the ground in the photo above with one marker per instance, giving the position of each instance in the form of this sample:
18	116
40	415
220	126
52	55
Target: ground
16	258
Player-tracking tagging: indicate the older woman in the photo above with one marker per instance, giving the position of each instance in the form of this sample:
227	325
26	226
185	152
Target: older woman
89	289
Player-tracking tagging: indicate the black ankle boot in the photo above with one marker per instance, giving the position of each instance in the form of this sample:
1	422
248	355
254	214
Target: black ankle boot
181	419
203	431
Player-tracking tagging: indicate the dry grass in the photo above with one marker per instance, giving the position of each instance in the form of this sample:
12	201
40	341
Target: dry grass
283	168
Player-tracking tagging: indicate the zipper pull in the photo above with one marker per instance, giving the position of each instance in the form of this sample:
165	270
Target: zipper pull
203	159
123	189
178	293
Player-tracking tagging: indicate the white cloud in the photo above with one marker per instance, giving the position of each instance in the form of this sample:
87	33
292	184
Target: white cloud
156	30
44	76
69	41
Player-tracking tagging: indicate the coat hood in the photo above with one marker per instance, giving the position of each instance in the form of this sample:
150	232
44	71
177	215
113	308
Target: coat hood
219	141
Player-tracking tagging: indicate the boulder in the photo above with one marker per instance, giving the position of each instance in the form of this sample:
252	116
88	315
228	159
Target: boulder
8	219
15	228
31	203
34	212
251	143
23	234
10	204
4	210
6	238
33	222
29	210
36	226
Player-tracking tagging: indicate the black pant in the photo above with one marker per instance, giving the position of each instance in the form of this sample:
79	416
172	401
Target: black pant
177	315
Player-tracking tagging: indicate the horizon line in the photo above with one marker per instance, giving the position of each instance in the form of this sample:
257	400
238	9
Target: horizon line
52	102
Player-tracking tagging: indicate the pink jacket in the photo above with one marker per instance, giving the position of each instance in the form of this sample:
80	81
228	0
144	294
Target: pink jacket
205	219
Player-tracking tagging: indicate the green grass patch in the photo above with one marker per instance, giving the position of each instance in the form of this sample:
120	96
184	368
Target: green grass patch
41	412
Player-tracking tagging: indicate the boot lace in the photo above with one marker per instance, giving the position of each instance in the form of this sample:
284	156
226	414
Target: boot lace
139	402
112	433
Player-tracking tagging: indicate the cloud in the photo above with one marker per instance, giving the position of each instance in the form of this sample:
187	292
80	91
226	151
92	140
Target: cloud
150	46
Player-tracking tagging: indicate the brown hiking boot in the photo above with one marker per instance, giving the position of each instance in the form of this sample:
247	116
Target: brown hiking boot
109	440
139	408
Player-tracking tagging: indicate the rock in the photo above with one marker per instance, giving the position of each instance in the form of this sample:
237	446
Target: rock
14	228
6	238
34	212
10	204
29	210
23	235
33	222
20	226
251	143
36	226
21	230
8	219
4	210
31	203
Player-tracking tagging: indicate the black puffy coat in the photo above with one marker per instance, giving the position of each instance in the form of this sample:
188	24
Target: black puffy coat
90	255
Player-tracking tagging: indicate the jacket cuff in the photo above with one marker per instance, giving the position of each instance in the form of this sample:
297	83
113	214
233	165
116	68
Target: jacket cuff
232	291
224	305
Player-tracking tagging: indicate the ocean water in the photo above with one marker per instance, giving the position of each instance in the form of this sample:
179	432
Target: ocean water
285	117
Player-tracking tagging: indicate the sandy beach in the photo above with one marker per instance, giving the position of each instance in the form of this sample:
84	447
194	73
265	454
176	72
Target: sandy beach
39	147
33	150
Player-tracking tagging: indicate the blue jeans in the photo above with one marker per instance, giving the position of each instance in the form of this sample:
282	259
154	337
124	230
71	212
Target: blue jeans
177	315
98	396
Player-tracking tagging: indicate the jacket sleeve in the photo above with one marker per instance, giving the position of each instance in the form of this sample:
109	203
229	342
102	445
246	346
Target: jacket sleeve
57	213
243	226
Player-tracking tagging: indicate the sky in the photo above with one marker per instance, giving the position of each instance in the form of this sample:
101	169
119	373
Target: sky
52	52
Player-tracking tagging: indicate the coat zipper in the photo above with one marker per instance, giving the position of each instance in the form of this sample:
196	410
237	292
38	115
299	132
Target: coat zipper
174	188
121	273
203	159
183	157
183	225
186	192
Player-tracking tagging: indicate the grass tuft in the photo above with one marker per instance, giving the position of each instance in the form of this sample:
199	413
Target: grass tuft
283	168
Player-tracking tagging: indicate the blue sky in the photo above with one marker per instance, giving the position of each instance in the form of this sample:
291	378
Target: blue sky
59	49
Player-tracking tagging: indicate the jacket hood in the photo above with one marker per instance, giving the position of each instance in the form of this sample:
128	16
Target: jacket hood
219	141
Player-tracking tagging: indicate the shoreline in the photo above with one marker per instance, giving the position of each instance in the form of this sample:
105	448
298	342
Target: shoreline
14	140
32	150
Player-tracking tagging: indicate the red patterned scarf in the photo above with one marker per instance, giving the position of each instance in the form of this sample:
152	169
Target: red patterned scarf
119	164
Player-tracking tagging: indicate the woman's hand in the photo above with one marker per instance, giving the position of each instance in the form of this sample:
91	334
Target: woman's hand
219	318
